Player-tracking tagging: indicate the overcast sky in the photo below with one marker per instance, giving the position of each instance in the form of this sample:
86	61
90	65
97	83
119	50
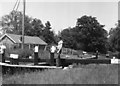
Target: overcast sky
63	14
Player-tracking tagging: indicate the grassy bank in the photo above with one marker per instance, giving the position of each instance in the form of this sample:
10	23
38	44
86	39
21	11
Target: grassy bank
83	74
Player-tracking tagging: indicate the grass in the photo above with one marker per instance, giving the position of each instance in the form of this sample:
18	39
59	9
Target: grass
82	74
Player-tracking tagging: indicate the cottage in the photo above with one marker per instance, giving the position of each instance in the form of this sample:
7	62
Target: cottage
13	41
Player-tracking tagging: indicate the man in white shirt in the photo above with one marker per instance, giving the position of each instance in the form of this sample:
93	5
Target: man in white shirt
59	50
2	49
52	51
36	48
36	55
60	44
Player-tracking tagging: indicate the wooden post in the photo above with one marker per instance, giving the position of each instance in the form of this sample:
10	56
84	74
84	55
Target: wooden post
52	59
45	48
29	46
23	24
3	56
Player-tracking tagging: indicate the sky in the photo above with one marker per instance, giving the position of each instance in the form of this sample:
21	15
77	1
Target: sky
64	13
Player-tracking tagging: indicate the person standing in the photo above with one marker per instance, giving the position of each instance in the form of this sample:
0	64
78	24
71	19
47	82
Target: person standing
59	50
52	51
36	55
3	48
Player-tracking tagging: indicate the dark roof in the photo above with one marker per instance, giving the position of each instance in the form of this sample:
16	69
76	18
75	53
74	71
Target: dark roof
27	39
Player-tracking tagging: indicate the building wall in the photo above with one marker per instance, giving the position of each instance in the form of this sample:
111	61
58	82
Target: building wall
41	47
7	42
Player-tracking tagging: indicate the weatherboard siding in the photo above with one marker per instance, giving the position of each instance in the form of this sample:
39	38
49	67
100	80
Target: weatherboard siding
9	44
6	41
12	41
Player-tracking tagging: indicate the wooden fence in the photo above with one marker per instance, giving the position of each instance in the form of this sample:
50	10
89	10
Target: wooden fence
71	51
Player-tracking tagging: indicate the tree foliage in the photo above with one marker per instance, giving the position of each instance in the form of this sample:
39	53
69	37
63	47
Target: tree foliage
48	34
36	28
12	23
88	35
114	38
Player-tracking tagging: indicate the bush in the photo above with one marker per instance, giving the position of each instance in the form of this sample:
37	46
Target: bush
44	54
117	54
114	54
23	53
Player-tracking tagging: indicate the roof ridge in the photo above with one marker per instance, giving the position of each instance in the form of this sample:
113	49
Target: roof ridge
21	35
28	39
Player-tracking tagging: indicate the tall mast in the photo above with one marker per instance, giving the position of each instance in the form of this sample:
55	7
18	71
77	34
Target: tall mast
23	24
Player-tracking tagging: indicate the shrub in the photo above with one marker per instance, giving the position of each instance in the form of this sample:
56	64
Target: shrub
44	54
23	53
117	54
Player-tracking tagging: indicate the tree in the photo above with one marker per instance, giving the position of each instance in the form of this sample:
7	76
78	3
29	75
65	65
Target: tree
12	23
114	38
48	34
37	28
87	35
67	38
